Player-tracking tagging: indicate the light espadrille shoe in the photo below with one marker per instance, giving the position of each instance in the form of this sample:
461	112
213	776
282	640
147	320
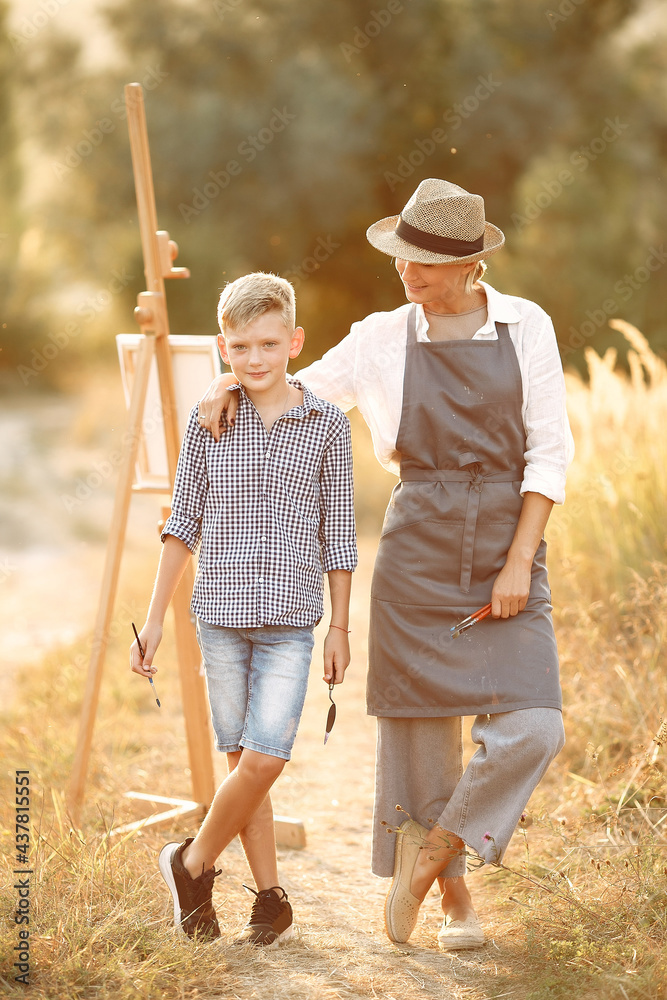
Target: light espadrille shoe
455	934
401	908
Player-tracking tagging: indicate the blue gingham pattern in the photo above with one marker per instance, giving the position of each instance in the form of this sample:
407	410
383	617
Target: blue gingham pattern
273	511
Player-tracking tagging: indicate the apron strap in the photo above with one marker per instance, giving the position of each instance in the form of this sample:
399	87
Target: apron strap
412	326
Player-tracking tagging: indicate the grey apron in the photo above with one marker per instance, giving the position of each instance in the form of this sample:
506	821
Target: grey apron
448	527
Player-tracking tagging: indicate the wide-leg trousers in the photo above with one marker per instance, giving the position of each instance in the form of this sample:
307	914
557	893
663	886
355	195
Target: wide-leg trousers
419	767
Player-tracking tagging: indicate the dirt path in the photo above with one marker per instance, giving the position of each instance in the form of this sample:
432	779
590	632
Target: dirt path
56	496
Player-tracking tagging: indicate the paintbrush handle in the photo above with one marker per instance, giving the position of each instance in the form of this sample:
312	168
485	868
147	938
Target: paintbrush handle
471	620
136	635
478	616
474	617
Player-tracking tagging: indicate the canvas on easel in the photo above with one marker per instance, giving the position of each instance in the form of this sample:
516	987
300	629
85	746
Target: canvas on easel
195	362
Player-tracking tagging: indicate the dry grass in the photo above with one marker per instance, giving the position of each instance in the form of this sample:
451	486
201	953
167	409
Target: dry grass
614	518
102	916
578	912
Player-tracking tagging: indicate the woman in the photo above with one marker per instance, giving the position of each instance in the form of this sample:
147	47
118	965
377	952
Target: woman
463	392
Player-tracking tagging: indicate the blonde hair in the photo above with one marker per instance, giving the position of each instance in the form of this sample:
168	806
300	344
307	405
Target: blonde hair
472	276
249	297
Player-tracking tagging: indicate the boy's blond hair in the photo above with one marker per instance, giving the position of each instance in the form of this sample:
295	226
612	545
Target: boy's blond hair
249	297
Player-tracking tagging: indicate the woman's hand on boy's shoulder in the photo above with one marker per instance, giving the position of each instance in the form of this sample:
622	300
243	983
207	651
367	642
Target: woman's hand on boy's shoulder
218	397
150	638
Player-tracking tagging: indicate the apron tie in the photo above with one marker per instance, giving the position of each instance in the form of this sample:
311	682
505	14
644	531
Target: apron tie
470	471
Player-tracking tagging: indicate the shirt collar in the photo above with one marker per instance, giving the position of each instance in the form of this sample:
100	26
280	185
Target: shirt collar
310	401
499	310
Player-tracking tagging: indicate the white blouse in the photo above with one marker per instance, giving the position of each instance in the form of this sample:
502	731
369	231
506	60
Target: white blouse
366	370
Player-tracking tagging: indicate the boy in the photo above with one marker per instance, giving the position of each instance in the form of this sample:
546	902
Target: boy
272	505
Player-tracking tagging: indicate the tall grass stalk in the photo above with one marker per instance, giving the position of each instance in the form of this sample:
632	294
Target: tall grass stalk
613	521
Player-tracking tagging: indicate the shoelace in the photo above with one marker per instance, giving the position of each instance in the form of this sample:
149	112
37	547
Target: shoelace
201	888
266	905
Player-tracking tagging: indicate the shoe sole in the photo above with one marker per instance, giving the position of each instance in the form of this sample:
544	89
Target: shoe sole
466	935
164	862
467	945
464	944
283	938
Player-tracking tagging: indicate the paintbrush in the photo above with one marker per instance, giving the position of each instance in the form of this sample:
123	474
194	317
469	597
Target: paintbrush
471	620
141	650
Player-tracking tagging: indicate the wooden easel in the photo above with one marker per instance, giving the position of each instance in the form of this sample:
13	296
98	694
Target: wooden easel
151	315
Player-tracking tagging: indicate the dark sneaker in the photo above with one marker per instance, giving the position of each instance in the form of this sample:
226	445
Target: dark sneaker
193	908
270	921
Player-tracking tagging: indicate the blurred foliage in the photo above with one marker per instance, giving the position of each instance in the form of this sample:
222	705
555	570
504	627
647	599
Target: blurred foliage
279	132
12	325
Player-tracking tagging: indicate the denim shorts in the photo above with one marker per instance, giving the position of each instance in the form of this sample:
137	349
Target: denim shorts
256	680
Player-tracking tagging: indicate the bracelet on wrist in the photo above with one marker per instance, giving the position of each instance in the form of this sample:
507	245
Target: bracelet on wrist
340	628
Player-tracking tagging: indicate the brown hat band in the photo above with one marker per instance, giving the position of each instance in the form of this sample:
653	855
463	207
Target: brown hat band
437	244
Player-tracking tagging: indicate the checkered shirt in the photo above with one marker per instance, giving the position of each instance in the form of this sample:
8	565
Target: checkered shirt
273	511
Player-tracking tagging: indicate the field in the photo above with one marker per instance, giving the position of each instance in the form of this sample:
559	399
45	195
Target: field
579	908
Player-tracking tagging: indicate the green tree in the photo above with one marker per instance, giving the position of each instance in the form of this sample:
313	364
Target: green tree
279	132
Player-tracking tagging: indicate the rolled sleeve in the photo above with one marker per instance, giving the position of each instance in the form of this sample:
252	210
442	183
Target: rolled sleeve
190	487
549	444
337	528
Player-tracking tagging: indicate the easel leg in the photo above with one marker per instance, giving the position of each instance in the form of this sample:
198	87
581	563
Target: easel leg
193	693
110	579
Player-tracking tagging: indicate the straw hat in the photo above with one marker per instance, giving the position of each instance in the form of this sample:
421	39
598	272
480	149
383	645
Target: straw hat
441	224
